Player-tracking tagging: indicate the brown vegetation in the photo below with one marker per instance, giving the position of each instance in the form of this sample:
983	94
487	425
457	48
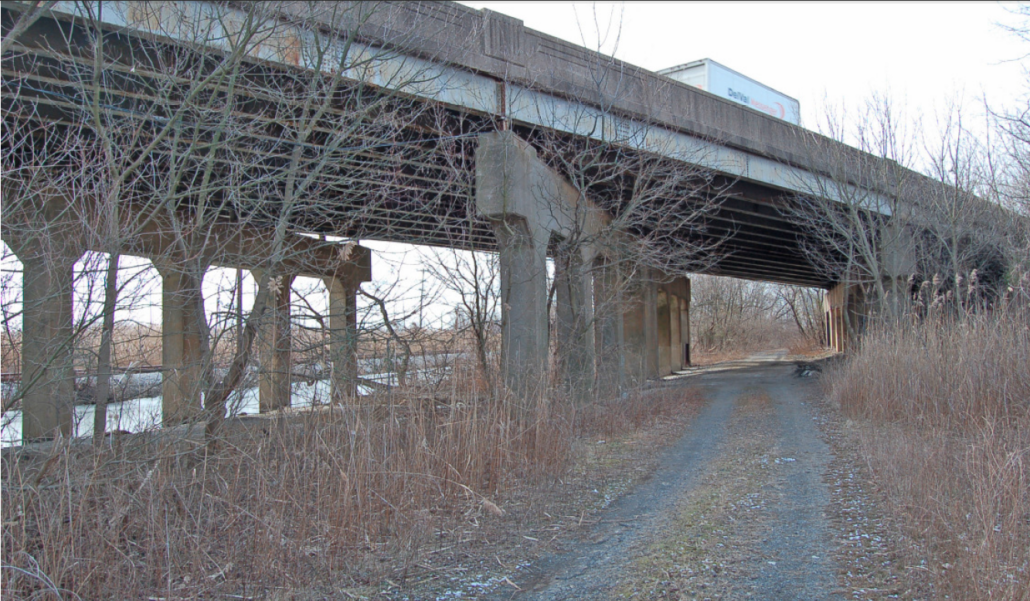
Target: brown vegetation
325	500
943	418
733	318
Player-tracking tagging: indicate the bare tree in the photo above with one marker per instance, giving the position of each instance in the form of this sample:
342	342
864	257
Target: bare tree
730	313
473	277
857	206
963	222
804	307
231	126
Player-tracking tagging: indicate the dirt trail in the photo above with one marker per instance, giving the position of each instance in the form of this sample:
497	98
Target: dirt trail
736	508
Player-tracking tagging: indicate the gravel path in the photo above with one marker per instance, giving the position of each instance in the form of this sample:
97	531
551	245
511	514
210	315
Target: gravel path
736	508
799	543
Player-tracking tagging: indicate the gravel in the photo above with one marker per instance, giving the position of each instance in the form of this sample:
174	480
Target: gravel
770	537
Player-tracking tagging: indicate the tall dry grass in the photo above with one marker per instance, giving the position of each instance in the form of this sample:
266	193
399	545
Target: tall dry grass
943	413
311	502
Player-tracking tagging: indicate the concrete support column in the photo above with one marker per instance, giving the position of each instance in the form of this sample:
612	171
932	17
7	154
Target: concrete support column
48	236
898	258
524	340
182	376
675	343
640	329
664	335
834	304
840	340
343	337
685	326
609	330
527	203
275	346
574	290
514	191
48	377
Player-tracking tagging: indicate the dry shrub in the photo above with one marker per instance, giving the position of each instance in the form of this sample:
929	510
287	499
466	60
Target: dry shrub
943	412
135	345
310	501
639	409
805	346
10	351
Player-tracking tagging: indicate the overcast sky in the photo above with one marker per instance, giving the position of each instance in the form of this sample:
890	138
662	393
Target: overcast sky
923	54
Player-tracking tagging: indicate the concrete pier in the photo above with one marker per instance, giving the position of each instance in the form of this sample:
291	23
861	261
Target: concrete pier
640	328
685	325
677	290
524	346
528	205
609	337
182	307
342	289
575	328
48	378
675	343
275	345
844	311
664	335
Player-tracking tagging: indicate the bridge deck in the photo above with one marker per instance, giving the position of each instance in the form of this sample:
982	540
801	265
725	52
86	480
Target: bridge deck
410	182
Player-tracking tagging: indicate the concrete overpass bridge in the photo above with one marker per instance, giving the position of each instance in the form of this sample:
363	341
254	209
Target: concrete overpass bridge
269	136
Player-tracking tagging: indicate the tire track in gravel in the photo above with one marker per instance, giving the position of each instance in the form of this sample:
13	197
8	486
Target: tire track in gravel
758	465
799	546
589	569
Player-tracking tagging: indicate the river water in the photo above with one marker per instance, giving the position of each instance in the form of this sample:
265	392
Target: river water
137	415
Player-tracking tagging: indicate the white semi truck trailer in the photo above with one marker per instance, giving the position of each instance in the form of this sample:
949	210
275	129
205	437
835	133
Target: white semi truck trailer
722	81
